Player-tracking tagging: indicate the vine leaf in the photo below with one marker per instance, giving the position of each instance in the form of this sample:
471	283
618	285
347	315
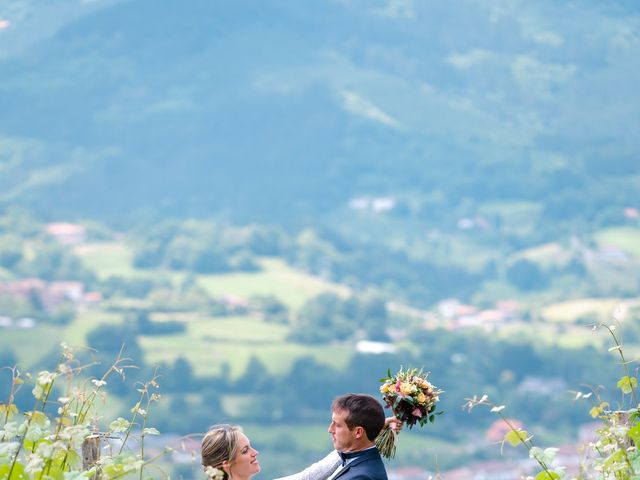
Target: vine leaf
627	384
545	456
547	475
8	410
597	410
515	437
634	434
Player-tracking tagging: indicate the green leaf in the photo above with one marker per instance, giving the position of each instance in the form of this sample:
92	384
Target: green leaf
634	434
38	418
515	437
614	458
17	473
545	456
597	410
550	475
73	458
119	425
8	410
635	460
55	473
627	384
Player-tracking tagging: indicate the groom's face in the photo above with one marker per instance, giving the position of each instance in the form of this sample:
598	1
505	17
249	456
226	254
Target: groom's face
343	438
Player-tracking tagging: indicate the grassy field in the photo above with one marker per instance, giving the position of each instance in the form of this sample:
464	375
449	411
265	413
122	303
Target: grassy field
626	238
569	336
107	259
207	343
547	255
31	344
210	343
75	333
290	286
600	309
115	259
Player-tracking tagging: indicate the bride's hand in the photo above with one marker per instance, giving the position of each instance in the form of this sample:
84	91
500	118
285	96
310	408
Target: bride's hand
393	423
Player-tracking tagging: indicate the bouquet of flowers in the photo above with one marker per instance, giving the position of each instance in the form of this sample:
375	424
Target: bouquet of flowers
411	398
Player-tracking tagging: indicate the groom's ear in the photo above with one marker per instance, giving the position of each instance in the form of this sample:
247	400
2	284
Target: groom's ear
359	432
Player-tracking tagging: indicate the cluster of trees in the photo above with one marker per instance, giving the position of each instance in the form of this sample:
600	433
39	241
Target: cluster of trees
27	251
530	276
328	317
204	247
41	257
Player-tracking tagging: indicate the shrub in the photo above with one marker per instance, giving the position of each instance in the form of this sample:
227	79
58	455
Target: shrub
47	446
613	453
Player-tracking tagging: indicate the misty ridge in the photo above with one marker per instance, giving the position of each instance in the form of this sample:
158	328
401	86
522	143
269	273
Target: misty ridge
284	111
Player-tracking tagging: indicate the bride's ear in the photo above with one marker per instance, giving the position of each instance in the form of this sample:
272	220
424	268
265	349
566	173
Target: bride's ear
226	466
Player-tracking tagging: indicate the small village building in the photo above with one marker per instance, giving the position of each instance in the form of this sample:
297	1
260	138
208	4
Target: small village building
367	346
67	233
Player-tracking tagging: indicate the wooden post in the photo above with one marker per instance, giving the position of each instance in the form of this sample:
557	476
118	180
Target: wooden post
91	453
621	417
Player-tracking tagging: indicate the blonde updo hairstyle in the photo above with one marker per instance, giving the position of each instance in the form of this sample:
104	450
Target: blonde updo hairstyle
220	444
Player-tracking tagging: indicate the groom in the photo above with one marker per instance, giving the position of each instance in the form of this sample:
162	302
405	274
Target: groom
356	421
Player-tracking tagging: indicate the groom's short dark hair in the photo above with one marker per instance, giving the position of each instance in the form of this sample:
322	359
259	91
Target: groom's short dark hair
362	411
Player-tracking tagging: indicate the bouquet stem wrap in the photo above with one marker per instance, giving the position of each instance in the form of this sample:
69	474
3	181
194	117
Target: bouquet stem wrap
386	443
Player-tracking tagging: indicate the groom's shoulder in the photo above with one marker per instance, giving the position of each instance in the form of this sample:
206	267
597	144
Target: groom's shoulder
372	471
372	468
378	473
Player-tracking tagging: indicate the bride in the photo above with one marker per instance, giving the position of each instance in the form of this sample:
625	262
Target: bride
227	453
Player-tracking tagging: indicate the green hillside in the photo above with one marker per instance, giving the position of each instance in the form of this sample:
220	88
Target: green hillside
209	109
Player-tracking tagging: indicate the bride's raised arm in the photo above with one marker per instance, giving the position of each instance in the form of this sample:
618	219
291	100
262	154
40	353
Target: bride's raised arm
320	470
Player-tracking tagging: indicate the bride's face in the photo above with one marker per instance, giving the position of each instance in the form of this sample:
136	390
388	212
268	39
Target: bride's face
245	464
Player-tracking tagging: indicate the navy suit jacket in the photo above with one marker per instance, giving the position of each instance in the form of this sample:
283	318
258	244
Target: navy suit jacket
367	466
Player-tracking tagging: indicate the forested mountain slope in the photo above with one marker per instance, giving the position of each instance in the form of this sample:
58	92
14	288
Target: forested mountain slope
284	110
